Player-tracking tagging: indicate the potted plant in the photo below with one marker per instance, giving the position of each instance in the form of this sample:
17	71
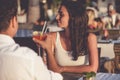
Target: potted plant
89	76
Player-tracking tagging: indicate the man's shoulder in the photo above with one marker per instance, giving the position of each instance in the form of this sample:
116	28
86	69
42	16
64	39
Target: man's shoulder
25	52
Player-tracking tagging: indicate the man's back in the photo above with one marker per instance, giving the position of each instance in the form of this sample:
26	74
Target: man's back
22	63
13	68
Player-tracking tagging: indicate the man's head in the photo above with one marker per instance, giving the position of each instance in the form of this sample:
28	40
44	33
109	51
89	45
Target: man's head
8	12
111	9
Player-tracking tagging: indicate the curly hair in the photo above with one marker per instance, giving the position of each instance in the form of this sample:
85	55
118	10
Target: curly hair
8	9
78	23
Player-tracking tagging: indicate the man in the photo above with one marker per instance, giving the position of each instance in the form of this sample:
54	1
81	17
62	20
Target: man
113	18
18	63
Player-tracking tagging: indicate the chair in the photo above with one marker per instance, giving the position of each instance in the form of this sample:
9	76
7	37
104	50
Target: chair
99	51
113	65
117	55
114	33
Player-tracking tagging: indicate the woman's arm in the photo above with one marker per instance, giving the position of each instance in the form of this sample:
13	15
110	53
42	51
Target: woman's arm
93	52
48	46
93	57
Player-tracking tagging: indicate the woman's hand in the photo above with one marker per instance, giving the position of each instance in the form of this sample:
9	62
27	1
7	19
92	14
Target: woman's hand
46	44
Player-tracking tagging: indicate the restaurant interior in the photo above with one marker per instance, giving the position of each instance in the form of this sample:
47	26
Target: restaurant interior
29	11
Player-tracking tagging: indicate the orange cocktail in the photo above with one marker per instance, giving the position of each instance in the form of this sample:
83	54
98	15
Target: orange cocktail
39	36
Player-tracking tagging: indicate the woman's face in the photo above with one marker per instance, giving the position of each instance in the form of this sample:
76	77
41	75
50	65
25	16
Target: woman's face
91	15
62	17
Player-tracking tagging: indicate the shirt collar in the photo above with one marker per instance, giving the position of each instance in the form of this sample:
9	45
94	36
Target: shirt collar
5	39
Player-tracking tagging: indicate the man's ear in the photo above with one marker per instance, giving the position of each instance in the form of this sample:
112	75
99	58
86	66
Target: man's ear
13	21
13	27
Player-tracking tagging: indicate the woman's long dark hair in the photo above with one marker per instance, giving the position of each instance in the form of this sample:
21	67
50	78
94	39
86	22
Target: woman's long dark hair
77	25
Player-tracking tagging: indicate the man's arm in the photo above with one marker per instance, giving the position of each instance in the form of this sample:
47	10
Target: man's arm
41	71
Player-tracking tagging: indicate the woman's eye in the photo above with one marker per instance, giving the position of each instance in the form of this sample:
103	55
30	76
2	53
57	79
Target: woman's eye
61	14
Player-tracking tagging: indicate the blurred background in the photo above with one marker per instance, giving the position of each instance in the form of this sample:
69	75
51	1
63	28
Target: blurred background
29	11
32	14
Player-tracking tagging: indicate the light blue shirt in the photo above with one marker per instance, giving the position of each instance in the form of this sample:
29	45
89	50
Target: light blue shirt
22	63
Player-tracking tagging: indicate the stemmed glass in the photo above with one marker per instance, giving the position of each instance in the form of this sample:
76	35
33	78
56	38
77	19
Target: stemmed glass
41	35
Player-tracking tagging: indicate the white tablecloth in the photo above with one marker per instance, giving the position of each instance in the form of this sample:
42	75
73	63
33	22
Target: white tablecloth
106	50
105	76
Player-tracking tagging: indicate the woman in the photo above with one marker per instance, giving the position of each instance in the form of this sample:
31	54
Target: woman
68	50
95	24
92	24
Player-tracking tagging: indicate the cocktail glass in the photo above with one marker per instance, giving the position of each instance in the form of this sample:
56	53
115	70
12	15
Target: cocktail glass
38	35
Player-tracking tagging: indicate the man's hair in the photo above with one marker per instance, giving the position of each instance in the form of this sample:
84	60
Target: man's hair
110	7
8	9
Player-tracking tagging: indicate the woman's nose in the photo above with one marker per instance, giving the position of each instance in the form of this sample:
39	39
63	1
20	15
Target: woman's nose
57	16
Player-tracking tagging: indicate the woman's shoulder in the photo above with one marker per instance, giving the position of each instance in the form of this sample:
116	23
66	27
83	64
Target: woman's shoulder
92	40
91	36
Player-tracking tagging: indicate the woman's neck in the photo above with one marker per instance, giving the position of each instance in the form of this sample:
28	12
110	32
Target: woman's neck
65	40
65	34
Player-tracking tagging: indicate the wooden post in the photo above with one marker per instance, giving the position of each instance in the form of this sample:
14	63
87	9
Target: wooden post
33	11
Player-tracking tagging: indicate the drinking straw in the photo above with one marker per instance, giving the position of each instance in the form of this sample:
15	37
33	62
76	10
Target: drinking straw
46	30
44	27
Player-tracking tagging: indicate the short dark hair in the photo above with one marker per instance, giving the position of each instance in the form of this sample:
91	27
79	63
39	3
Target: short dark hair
8	9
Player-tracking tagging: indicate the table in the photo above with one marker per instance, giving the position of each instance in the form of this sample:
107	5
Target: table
106	50
105	76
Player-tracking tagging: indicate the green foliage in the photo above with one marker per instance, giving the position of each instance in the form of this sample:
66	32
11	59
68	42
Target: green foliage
89	74
57	1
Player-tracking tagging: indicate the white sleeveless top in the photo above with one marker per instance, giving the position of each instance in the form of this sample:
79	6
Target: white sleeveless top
64	57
